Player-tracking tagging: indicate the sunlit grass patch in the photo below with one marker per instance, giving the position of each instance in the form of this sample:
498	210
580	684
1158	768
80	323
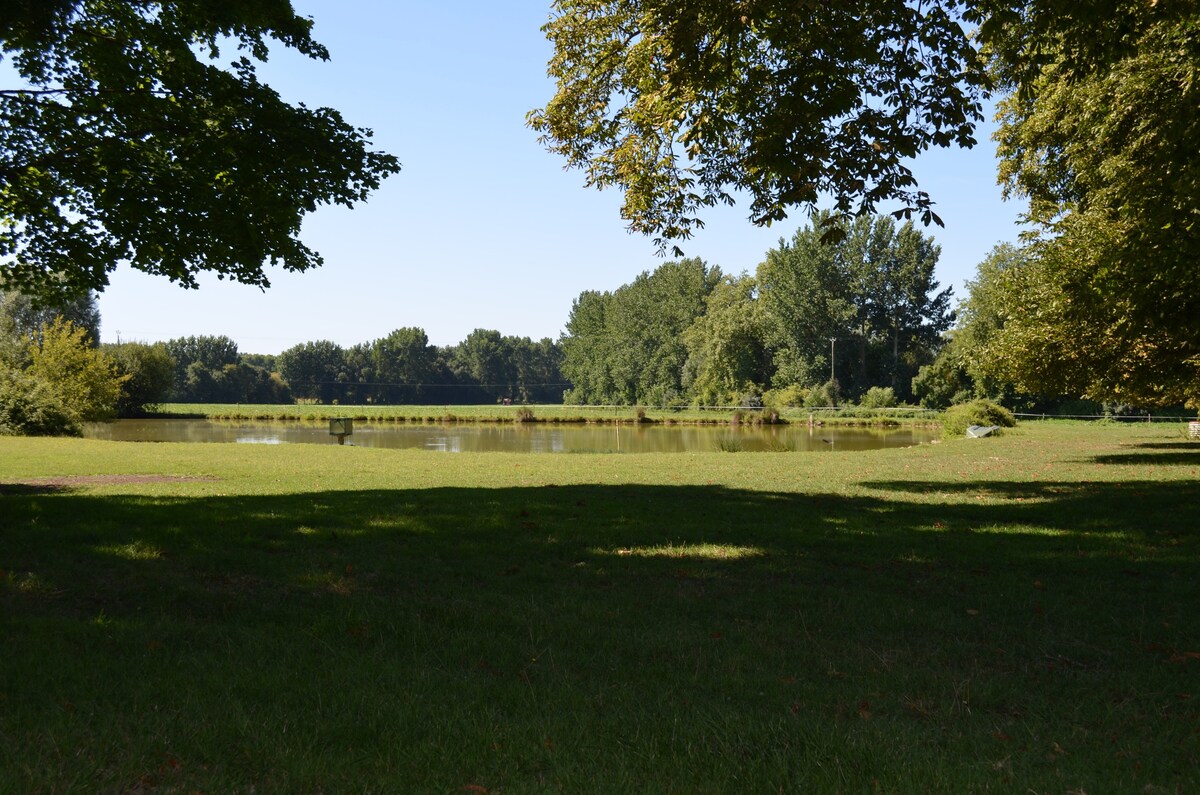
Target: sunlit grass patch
135	550
28	583
703	551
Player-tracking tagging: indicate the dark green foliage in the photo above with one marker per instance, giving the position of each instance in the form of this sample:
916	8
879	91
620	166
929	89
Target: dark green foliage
944	381
30	406
133	143
680	104
405	365
208	352
878	397
728	353
627	347
868	299
958	418
23	319
209	369
491	367
149	373
1100	137
404	368
314	370
822	395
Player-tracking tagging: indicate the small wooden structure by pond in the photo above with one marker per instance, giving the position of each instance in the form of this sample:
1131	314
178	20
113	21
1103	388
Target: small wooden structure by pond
341	427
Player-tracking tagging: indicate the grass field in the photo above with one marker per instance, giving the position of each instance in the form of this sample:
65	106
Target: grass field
1016	614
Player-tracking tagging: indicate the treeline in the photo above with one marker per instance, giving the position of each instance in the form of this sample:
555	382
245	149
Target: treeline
400	368
835	314
820	321
404	368
54	376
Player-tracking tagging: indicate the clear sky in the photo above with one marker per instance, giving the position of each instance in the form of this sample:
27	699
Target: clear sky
483	228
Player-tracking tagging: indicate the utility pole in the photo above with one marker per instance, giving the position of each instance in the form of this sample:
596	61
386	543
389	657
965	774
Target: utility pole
832	349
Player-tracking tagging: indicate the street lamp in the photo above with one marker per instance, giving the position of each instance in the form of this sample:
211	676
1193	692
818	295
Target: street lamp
832	353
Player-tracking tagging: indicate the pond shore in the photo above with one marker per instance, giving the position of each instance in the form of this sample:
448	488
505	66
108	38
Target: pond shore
551	413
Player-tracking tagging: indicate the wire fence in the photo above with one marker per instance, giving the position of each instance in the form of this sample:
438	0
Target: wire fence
1148	417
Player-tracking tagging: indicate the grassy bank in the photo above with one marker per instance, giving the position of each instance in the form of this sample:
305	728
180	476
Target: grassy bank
542	413
1010	614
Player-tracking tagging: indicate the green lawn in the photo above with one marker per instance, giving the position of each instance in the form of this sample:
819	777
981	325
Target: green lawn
1010	615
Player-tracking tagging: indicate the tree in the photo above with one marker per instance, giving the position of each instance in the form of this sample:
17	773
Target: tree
804	290
900	298
85	378
868	296
199	360
586	346
32	407
52	378
1100	135
23	318
484	366
627	347
404	363
728	358
680	103
148	372
130	143
314	370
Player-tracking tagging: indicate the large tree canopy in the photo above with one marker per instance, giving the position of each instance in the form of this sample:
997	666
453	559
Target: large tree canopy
1104	148
682	103
679	103
130	142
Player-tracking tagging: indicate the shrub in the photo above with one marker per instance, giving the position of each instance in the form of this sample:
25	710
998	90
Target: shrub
524	414
790	395
958	418
30	406
878	397
826	394
84	378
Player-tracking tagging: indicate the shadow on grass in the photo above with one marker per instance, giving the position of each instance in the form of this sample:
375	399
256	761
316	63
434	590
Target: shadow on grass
1188	458
685	635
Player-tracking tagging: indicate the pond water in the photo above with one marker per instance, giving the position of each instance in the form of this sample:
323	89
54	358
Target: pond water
524	438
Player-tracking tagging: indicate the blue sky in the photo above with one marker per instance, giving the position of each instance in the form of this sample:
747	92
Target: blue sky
482	228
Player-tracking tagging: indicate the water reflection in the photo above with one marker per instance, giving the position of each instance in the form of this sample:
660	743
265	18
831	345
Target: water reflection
527	438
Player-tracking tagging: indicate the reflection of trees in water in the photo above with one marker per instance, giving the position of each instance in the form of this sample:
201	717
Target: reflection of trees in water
548	438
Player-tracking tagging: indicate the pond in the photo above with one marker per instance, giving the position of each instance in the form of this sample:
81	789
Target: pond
525	438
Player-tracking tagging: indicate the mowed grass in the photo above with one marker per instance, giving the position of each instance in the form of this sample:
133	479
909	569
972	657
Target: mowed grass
1000	615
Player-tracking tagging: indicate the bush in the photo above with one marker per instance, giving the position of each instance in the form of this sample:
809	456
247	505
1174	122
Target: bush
878	397
84	379
826	394
790	395
524	414
958	418
31	407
